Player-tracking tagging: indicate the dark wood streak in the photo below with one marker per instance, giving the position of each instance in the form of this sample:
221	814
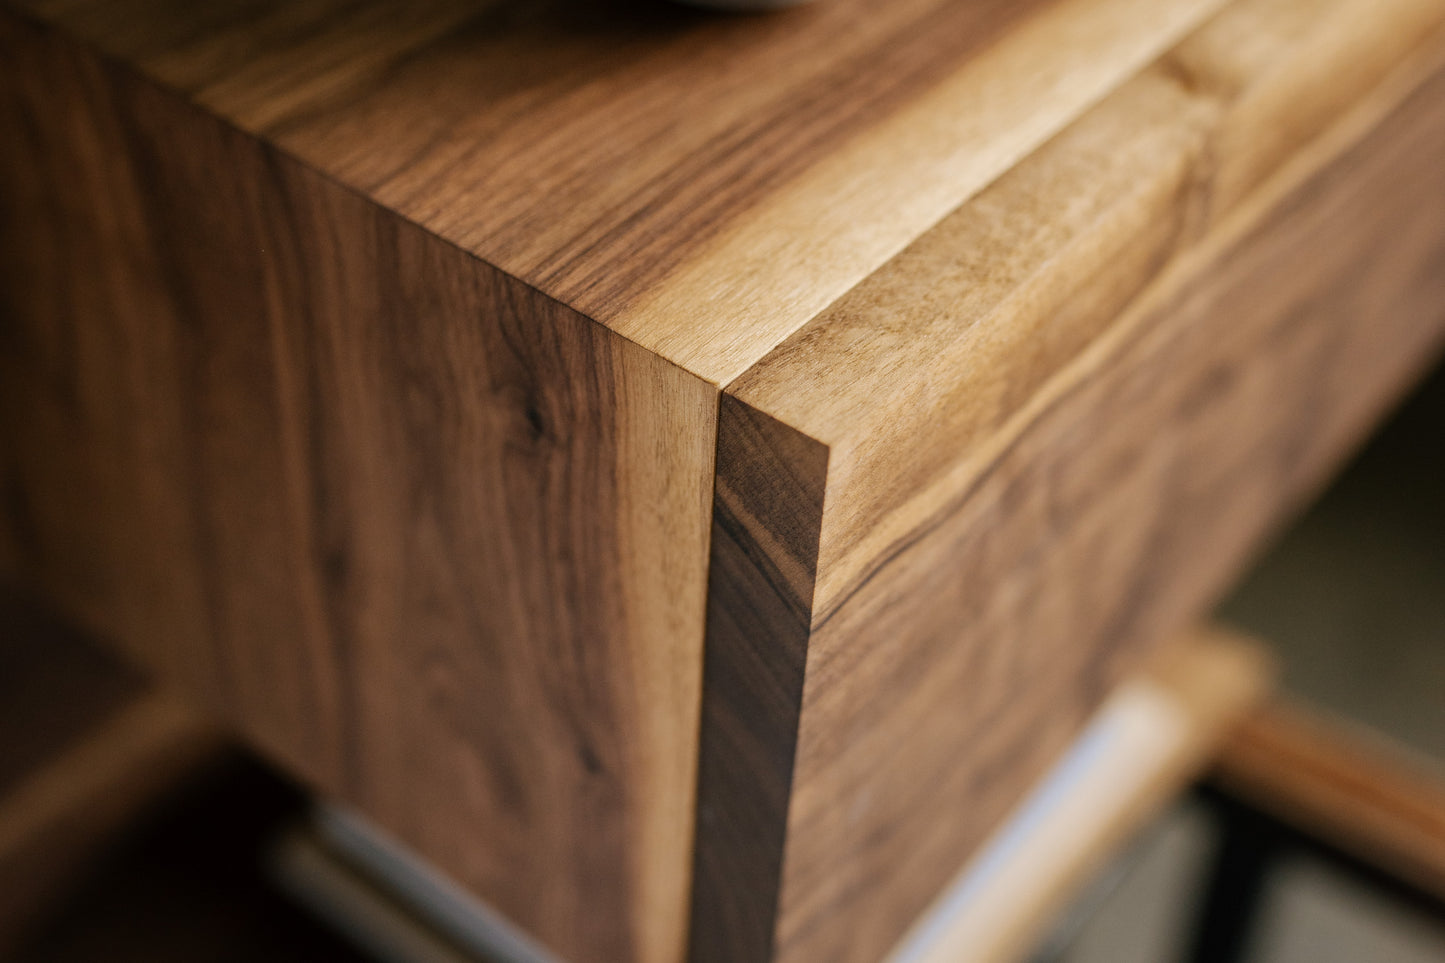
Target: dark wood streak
767	509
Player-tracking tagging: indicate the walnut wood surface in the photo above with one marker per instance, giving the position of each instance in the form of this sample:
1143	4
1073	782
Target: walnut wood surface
319	468
361	368
700	184
1118	365
385	493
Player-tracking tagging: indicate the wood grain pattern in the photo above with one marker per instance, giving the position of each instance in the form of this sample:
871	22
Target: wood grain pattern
1352	788
1030	272
767	509
433	540
701	185
360	369
267	444
1117	375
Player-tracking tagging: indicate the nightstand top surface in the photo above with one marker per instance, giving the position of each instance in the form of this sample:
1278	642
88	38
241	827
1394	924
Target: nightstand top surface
702	184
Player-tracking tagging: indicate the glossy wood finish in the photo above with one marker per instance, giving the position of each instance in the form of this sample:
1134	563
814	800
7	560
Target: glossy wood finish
653	167
295	410
1118	366
540	424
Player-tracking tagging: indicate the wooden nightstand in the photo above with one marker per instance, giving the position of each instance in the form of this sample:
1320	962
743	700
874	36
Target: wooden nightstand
689	476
